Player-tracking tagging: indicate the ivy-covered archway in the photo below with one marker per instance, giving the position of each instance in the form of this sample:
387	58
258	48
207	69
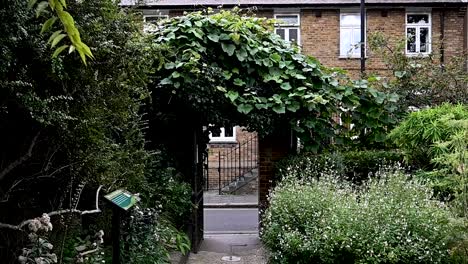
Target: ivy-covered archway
230	68
219	68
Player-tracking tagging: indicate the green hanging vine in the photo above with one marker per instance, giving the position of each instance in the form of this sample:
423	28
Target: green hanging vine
225	57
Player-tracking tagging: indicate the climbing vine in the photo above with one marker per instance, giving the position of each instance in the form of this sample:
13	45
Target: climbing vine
227	58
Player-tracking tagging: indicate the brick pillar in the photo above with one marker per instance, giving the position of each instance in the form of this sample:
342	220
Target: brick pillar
271	149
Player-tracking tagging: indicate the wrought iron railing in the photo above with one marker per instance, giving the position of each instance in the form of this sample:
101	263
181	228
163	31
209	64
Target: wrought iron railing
234	164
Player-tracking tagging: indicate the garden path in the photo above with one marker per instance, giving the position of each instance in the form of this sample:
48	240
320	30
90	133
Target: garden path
215	247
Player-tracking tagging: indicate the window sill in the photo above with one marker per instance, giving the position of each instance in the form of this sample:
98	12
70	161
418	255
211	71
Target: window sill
222	142
351	58
416	55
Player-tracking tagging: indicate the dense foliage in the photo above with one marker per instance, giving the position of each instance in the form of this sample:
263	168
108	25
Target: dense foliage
68	128
419	133
391	220
233	69
421	81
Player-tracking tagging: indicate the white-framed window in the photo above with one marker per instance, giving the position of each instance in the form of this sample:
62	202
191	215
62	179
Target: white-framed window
225	135
151	21
288	27
350	35
418	33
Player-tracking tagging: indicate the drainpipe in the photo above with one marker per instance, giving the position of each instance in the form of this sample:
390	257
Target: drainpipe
442	38
363	36
465	39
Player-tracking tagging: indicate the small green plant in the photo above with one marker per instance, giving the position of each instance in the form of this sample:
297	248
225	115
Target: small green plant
149	238
389	220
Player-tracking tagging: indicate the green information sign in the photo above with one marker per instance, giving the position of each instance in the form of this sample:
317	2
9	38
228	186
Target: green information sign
122	199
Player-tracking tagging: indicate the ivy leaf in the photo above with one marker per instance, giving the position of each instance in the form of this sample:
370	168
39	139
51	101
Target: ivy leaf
166	81
244	108
169	65
213	37
275	57
300	77
241	54
232	95
286	86
228	48
239	82
279	109
294	106
261	106
227	75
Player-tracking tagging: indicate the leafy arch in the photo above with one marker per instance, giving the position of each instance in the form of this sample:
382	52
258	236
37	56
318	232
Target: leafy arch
231	68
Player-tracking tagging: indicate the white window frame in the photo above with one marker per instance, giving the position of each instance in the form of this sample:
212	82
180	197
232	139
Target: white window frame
222	138
149	26
357	53
417	26
287	27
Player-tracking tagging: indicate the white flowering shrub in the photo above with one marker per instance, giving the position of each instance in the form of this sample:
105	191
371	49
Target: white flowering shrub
391	220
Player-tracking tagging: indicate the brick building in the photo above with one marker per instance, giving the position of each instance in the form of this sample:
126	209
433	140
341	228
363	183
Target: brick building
330	31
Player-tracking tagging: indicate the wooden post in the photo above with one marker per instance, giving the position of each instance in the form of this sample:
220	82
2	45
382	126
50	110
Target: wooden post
116	235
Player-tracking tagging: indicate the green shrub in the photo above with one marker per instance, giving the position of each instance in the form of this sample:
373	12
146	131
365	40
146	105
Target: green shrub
420	132
353	165
391	220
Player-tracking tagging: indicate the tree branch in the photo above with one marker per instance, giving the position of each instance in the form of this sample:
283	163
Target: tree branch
59	212
21	159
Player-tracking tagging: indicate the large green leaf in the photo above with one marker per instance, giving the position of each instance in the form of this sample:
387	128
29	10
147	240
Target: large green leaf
228	48
244	108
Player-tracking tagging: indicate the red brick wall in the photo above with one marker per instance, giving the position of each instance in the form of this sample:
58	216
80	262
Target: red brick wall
320	35
229	158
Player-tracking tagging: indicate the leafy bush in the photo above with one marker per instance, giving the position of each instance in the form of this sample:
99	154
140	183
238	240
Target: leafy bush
148	238
391	220
418	134
420	81
353	165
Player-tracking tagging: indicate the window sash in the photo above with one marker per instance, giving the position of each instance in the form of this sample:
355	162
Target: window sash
222	136
350	36
287	35
297	24
418	27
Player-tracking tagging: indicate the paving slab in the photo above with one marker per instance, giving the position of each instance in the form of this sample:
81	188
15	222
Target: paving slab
215	247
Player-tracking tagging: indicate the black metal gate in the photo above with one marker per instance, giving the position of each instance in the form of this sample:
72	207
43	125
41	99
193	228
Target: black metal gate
199	170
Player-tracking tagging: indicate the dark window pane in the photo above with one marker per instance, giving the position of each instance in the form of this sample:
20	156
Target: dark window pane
293	35
281	32
228	131
418	19
216	133
423	39
411	39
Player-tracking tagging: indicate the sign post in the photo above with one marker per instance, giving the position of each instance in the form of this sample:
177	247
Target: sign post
121	201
